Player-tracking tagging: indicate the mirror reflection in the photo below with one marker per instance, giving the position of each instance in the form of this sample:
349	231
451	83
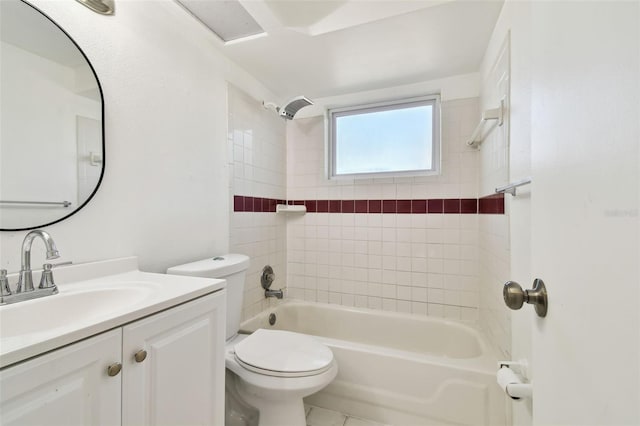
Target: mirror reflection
51	134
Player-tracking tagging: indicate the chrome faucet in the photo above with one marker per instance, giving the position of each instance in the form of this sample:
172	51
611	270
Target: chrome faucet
266	279
25	281
278	294
24	289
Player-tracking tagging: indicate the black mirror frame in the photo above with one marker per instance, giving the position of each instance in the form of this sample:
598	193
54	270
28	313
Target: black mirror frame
81	206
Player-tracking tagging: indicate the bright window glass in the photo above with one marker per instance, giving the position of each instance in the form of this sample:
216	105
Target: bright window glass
393	138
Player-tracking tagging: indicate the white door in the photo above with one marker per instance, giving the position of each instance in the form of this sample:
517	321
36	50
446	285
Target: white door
180	381
585	232
66	387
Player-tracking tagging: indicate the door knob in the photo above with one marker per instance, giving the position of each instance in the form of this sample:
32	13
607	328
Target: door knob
515	297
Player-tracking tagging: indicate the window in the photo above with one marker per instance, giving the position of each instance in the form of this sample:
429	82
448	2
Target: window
396	138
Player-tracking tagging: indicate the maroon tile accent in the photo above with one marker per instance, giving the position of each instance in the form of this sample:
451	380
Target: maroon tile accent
238	203
452	206
469	205
375	206
403	206
248	204
487	206
361	206
322	206
348	206
418	206
310	205
492	204
435	206
389	206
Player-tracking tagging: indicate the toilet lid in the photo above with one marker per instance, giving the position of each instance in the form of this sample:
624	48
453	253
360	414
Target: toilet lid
283	353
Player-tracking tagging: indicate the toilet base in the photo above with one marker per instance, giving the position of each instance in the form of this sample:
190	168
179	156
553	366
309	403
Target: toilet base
278	413
278	400
236	411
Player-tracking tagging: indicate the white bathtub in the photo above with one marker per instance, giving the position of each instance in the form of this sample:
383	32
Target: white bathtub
398	369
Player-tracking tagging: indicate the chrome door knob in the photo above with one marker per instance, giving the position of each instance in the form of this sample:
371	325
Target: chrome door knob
515	297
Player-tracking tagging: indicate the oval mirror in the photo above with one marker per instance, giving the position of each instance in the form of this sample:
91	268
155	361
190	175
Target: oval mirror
51	121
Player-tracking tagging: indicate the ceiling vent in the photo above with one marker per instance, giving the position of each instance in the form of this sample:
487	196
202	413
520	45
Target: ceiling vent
229	20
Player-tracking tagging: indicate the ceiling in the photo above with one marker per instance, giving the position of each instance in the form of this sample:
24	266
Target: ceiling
327	48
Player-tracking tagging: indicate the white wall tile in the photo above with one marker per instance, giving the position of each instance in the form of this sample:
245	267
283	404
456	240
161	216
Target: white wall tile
395	262
259	161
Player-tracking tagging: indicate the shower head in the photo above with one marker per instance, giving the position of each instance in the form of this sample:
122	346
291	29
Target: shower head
290	108
293	106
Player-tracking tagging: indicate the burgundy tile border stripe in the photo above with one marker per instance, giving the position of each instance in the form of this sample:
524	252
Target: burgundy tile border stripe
255	204
492	204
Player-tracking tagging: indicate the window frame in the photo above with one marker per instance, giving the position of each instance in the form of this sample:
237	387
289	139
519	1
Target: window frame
436	140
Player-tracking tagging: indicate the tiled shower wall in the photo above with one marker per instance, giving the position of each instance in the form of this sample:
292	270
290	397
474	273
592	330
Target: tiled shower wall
257	164
494	244
417	263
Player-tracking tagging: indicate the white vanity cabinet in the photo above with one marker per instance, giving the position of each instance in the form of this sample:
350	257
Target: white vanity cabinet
68	386
179	381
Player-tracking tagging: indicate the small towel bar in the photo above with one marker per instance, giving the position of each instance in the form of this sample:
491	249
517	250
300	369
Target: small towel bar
42	203
511	188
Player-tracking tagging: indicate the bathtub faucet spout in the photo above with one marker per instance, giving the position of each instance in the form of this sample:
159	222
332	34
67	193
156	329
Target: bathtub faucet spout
278	294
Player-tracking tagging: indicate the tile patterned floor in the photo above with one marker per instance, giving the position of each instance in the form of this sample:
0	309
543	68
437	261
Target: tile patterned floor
317	416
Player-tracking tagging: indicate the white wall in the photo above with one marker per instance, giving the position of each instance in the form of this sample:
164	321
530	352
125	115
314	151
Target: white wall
164	196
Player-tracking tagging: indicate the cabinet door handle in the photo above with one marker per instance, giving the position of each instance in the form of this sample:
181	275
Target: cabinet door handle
140	356
114	369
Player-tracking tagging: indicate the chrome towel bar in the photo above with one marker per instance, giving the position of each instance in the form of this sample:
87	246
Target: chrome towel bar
511	188
43	203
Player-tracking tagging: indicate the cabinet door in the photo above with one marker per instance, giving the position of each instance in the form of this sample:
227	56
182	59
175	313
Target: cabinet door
69	386
181	380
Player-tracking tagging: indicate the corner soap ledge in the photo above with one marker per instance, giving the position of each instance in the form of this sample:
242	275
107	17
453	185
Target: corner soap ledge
283	208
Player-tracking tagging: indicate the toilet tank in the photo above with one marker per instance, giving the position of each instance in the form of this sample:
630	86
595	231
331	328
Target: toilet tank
231	267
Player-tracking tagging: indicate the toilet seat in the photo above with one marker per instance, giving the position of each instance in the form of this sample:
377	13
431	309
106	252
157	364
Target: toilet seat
283	354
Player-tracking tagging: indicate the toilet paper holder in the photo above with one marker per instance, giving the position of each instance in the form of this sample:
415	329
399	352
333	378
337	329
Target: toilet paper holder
510	380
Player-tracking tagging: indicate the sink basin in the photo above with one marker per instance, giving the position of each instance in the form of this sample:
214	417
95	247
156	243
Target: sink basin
93	297
67	307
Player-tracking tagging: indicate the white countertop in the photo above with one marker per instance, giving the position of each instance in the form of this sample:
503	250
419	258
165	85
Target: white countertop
93	298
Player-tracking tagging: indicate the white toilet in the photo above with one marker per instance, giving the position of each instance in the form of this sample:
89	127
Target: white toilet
272	370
